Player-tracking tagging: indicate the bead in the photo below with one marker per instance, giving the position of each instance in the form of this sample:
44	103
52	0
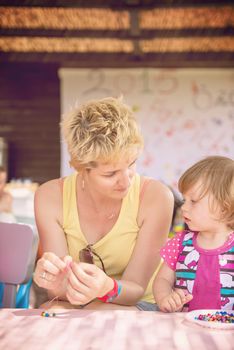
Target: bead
219	316
48	314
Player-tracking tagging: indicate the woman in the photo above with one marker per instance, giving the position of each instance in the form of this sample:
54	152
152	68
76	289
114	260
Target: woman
121	219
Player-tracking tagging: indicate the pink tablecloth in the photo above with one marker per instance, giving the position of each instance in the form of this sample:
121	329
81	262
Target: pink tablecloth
105	330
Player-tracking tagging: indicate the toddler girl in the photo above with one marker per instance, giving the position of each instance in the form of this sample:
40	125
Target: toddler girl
198	267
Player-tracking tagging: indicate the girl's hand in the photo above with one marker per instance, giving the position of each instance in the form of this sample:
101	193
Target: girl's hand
51	270
87	282
174	301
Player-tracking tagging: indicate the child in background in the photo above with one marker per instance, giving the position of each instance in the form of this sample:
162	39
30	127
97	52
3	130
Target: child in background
6	200
5	197
198	268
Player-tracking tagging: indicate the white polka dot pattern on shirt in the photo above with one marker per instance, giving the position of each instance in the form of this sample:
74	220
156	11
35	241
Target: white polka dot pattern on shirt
170	251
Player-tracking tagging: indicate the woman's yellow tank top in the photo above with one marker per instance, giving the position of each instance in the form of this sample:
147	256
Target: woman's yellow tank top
116	247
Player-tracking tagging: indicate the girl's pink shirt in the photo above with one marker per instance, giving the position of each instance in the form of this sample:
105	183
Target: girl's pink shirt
207	284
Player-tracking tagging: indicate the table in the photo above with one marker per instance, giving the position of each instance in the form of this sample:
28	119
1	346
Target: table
105	330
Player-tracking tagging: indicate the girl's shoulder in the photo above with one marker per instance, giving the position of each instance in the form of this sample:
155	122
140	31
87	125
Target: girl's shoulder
181	237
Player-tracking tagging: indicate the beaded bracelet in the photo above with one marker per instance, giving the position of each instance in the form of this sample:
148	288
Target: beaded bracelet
113	293
48	314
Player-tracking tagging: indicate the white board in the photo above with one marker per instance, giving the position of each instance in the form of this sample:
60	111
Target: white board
185	114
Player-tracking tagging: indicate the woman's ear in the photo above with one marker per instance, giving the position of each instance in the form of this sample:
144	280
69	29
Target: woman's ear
75	165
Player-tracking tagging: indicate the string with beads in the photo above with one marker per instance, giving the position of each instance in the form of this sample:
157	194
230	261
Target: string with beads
47	313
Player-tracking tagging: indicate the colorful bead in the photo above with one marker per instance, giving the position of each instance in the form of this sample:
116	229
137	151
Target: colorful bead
218	316
48	314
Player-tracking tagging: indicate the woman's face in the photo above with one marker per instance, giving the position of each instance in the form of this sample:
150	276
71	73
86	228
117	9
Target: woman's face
111	179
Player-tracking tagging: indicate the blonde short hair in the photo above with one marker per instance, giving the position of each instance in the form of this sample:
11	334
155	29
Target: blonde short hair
100	130
217	176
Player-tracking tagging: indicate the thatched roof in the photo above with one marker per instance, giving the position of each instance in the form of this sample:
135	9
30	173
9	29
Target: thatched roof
118	33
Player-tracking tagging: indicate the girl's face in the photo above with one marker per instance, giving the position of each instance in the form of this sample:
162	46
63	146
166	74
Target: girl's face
199	213
111	179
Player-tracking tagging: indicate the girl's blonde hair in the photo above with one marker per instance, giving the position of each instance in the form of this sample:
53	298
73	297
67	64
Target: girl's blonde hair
100	130
216	174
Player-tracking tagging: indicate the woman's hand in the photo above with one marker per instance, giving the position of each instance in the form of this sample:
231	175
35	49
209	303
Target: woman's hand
87	282
51	270
174	301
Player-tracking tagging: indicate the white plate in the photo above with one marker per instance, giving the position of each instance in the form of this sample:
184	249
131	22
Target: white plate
190	316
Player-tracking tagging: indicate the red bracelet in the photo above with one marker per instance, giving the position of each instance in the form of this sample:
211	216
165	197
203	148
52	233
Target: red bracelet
112	294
